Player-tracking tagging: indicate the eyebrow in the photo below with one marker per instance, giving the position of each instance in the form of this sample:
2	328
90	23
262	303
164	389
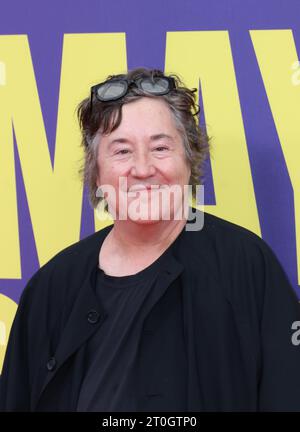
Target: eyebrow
155	137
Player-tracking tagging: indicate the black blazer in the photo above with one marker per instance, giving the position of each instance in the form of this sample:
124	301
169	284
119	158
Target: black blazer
239	308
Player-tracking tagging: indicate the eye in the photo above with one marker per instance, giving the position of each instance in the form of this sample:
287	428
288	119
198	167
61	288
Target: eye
120	151
161	147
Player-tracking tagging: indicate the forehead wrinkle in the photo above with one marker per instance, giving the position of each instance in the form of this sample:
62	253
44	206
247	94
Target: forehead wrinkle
155	137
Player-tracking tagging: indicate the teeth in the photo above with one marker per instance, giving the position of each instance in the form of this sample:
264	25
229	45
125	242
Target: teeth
143	187
136	188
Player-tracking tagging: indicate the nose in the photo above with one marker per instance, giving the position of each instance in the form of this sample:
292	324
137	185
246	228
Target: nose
142	165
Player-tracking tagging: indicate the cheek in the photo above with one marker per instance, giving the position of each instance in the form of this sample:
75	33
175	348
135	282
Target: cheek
185	168
108	173
179	170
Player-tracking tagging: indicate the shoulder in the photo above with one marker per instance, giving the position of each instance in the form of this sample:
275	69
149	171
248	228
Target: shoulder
242	265
79	251
234	255
50	294
236	239
64	271
227	229
225	238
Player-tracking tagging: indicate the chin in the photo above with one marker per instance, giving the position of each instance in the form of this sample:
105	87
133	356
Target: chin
144	221
144	215
155	217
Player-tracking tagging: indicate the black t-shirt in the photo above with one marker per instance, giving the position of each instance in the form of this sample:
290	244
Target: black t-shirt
109	383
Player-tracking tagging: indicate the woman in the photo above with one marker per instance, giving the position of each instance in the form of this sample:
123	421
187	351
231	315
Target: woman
146	314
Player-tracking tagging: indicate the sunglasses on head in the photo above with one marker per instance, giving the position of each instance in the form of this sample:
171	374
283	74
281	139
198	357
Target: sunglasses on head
115	88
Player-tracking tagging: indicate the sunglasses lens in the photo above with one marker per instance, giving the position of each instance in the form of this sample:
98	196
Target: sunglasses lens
157	86
111	90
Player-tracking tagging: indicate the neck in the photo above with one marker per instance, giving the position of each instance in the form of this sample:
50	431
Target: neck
130	236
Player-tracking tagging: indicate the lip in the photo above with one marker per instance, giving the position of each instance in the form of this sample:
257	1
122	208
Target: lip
136	188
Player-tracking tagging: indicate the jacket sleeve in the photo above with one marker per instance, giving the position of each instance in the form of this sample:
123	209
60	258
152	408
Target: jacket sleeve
279	385
14	379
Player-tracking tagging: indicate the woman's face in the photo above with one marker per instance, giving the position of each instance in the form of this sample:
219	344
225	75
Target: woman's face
146	149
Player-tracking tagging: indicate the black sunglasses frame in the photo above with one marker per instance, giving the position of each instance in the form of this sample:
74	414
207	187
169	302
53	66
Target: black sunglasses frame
137	82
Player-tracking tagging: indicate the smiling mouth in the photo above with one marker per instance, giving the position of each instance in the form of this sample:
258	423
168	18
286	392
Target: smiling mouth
145	187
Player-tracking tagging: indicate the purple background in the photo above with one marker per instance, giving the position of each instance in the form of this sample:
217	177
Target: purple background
145	25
